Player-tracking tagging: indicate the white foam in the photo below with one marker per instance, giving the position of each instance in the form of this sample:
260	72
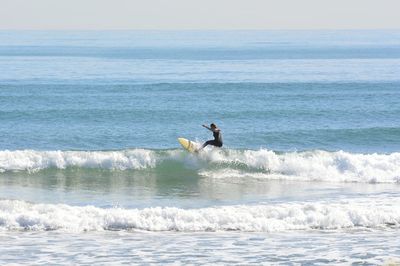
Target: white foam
32	160
304	166
356	213
310	166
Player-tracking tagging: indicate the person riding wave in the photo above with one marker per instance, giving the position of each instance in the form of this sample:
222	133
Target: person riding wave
217	141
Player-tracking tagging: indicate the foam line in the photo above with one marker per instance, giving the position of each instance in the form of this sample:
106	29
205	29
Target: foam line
32	160
316	165
375	213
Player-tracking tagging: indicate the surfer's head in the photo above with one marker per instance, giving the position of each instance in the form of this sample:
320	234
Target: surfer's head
212	125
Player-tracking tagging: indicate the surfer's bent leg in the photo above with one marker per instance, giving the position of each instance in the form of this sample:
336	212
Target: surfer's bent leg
208	142
212	142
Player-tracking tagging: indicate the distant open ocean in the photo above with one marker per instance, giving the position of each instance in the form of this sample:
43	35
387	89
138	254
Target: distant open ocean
91	171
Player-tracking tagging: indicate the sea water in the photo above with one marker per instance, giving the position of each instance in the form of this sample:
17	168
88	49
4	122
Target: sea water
91	170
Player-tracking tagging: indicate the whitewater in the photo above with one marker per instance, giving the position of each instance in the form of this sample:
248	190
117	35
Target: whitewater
302	166
357	213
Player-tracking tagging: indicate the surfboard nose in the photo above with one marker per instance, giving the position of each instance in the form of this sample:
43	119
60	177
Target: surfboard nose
187	144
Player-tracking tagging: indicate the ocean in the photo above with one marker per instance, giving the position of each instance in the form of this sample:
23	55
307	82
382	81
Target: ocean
91	171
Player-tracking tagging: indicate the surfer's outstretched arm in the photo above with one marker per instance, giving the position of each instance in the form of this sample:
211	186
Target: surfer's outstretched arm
211	129
207	127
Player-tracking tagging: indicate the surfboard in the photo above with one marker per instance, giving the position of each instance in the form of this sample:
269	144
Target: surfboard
188	145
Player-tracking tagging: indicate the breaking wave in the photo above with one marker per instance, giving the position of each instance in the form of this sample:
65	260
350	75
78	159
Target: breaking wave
316	165
357	213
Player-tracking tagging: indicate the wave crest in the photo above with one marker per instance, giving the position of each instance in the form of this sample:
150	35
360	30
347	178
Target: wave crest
312	166
31	160
20	215
226	163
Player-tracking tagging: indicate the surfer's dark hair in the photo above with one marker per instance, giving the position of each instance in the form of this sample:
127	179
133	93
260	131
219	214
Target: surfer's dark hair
213	125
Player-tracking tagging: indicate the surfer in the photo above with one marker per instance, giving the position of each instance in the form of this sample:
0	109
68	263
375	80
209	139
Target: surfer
217	141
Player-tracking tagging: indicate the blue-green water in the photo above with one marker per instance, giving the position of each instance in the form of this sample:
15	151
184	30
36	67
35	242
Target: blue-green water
359	117
88	129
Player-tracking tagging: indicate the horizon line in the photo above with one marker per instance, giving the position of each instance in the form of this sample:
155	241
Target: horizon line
200	29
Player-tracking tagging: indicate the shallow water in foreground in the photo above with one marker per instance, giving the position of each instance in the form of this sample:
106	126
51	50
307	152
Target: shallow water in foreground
311	247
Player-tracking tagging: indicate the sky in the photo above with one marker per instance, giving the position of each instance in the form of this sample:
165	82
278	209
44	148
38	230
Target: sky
199	14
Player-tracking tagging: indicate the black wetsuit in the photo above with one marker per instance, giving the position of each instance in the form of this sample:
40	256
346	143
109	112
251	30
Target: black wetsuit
217	141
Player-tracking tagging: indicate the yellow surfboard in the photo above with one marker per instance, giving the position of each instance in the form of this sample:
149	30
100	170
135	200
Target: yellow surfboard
188	145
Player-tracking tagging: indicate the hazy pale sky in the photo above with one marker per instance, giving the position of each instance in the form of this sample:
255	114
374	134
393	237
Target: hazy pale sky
200	14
